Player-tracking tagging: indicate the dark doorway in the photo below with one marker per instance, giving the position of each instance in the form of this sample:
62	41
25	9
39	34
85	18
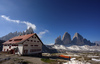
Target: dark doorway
12	51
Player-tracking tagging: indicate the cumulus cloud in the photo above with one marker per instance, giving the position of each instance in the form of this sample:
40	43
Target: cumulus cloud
18	21
42	33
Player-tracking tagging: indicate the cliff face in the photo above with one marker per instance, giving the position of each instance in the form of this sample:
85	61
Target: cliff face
66	39
77	40
58	40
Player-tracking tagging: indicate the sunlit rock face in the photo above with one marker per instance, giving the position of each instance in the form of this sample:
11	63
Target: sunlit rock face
78	39
66	38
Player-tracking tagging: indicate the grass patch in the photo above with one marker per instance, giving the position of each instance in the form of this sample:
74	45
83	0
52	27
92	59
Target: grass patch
47	60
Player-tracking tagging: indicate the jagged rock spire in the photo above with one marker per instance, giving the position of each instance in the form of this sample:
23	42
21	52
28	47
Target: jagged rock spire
58	41
66	38
11	35
78	39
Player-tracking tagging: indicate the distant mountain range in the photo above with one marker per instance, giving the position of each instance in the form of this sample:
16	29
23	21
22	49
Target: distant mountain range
97	42
60	44
11	35
77	40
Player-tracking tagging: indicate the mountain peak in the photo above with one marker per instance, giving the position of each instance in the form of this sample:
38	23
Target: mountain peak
77	40
77	35
11	35
58	40
66	38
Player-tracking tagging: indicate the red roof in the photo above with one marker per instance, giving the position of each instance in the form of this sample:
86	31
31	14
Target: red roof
18	39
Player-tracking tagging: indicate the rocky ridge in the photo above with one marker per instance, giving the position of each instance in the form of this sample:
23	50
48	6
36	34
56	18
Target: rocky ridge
11	35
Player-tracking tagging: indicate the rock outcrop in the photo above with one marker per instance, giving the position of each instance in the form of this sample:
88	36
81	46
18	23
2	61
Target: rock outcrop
77	40
58	40
66	39
97	42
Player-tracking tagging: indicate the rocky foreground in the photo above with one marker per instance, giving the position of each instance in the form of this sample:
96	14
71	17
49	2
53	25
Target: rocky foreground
52	58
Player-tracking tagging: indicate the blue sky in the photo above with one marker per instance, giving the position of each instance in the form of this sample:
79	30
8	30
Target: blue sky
52	18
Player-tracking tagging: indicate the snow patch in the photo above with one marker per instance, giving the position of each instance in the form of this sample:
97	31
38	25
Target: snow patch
59	47
78	48
98	60
92	56
76	62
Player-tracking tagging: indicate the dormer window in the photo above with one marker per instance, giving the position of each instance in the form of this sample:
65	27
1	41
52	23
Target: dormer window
17	39
10	40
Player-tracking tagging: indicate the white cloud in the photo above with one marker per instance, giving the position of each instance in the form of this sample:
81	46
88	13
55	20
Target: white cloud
27	23
42	33
18	21
51	44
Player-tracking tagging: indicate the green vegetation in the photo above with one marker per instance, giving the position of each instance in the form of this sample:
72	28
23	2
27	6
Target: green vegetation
47	60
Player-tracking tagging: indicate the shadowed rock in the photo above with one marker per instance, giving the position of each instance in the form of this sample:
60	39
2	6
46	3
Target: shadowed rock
11	35
58	41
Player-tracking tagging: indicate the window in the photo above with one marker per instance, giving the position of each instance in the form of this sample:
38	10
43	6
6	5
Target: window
31	45
35	50
38	49
17	39
10	40
31	40
25	51
30	50
9	46
25	45
34	40
35	45
4	49
7	50
5	45
15	45
37	41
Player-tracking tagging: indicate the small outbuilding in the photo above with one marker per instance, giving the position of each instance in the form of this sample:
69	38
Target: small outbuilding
23	45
